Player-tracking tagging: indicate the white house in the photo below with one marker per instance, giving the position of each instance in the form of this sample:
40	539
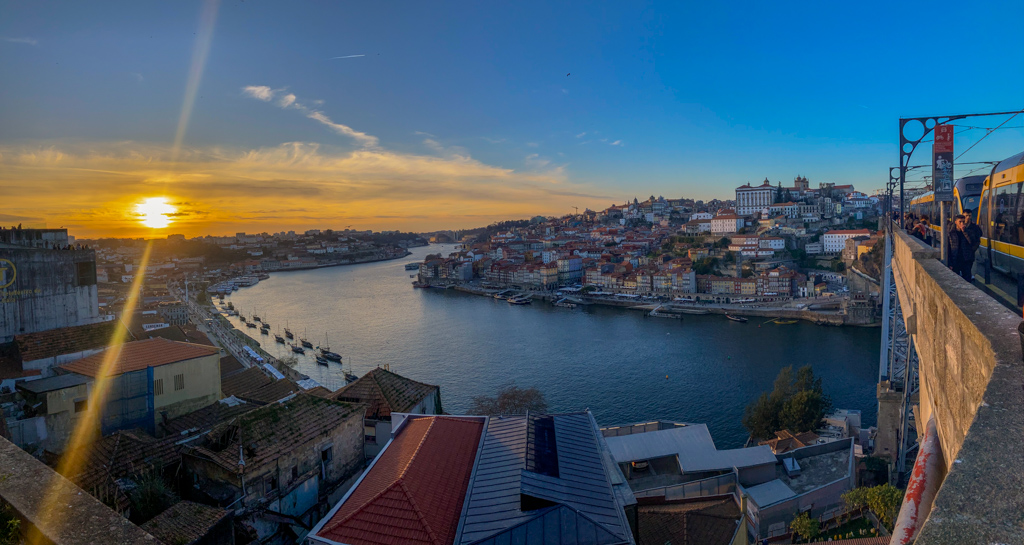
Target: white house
834	241
726	224
752	199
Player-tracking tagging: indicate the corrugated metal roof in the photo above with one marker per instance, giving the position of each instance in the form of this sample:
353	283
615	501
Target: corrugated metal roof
58	382
692	444
770	492
582	488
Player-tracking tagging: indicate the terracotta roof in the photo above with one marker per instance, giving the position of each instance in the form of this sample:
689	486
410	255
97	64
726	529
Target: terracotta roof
206	418
273	430
243	382
230	365
269	393
384	392
320	391
414	492
122	454
66	340
138	355
184	523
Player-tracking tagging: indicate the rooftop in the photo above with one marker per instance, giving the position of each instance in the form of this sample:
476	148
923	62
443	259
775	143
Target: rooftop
384	392
138	355
66	340
245	381
694	523
184	522
414	491
51	384
692	444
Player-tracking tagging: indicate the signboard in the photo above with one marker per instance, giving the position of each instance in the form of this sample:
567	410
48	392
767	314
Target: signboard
942	163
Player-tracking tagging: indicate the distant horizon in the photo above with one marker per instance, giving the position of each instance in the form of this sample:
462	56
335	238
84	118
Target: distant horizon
250	116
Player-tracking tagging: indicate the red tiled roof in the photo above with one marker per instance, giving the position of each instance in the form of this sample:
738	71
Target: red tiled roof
138	355
384	392
65	340
413	494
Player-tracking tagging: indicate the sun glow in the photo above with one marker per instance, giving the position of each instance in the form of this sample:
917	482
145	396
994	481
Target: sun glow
154	212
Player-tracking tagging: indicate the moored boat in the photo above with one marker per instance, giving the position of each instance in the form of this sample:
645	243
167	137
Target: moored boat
780	321
519	300
278	339
740	319
298	349
321	361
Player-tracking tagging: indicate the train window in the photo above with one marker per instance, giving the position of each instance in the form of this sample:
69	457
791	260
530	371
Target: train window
983	213
1007	210
970	203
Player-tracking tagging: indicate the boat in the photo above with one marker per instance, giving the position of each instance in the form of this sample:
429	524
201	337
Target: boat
231	305
412	266
325	351
519	300
305	342
255	318
288	333
250	325
264	331
694	311
278	339
298	349
350	377
321	361
242	318
784	322
739	319
420	285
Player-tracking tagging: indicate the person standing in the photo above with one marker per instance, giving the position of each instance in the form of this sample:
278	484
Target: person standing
959	248
973	234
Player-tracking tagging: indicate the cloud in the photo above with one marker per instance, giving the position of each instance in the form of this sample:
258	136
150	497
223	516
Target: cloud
27	41
286	100
581	135
138	77
259	92
266	94
532	144
295	185
616	143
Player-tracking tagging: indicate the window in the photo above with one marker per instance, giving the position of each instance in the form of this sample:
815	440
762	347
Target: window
179	382
85	273
158	387
327	454
295	472
269	484
81	405
370	434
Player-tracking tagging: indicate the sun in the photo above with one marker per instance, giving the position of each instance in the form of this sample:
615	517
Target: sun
154	212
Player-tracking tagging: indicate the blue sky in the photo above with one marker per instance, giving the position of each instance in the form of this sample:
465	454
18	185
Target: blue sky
679	99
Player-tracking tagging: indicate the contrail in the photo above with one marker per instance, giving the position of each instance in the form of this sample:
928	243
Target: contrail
347	57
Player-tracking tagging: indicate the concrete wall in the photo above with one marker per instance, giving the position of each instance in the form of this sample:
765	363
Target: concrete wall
202	386
45	292
972	381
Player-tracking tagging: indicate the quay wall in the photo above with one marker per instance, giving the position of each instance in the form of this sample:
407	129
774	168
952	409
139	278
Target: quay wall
972	382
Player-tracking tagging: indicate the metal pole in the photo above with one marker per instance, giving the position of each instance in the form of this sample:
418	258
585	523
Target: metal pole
943	219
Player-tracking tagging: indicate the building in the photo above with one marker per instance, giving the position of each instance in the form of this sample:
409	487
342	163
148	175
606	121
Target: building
56	404
833	242
726	224
276	463
753	199
531	480
152	381
384	393
43	287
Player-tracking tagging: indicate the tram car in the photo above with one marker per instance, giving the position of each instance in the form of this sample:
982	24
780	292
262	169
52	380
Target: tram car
966	198
1001	218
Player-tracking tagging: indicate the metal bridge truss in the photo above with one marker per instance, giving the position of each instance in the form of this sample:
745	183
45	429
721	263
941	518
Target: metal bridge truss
899	365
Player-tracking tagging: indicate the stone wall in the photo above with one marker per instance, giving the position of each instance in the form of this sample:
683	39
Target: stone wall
972	381
48	289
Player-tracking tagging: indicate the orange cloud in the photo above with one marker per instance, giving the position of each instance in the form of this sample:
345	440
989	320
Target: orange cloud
93	188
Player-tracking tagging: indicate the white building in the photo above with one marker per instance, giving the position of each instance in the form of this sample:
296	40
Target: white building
752	199
834	241
726	224
773	243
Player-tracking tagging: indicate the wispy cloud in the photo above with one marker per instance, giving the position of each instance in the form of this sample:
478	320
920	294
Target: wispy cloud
138	77
27	41
581	135
289	100
616	143
347	57
532	144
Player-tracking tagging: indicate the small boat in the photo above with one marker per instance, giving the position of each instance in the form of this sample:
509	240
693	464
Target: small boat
412	266
325	351
250	325
305	342
350	377
784	322
298	349
278	339
420	285
739	319
288	333
321	361
255	318
694	311
231	305
519	300
264	331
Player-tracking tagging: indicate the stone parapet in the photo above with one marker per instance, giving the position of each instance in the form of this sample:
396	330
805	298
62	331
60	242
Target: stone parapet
972	381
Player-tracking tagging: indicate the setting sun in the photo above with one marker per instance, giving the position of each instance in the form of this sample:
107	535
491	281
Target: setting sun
154	211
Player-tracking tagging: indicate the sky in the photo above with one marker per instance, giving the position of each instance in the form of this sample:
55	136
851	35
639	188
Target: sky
269	116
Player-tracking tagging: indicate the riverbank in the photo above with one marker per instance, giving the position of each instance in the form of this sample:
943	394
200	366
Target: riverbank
818	317
340	264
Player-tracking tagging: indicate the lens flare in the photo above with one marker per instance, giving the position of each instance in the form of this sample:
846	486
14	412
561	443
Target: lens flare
154	212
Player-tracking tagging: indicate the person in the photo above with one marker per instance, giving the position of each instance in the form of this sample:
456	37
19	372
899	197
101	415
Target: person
973	234
960	249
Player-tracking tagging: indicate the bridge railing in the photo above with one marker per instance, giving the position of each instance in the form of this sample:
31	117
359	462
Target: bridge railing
972	382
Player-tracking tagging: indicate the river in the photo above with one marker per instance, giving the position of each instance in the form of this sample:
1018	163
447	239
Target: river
622	366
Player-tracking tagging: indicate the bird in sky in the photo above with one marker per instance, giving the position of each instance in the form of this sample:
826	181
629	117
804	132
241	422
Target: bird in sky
347	57
567	75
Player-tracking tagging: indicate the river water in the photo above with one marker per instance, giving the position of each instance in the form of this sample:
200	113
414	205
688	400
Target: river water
622	366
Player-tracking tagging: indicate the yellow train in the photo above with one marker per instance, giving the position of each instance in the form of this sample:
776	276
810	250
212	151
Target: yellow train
1001	218
966	198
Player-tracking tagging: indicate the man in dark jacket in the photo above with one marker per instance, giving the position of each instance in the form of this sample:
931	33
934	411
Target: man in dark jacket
973	234
960	254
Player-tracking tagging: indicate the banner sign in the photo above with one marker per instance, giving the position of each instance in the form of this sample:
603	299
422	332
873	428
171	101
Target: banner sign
942	163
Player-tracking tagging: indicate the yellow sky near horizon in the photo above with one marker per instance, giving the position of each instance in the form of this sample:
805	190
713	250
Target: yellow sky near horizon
94	189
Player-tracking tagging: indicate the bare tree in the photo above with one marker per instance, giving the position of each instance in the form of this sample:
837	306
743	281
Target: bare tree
510	399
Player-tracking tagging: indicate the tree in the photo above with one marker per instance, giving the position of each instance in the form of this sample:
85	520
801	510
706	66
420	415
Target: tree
805	526
856	498
796	402
150	497
510	399
885	500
